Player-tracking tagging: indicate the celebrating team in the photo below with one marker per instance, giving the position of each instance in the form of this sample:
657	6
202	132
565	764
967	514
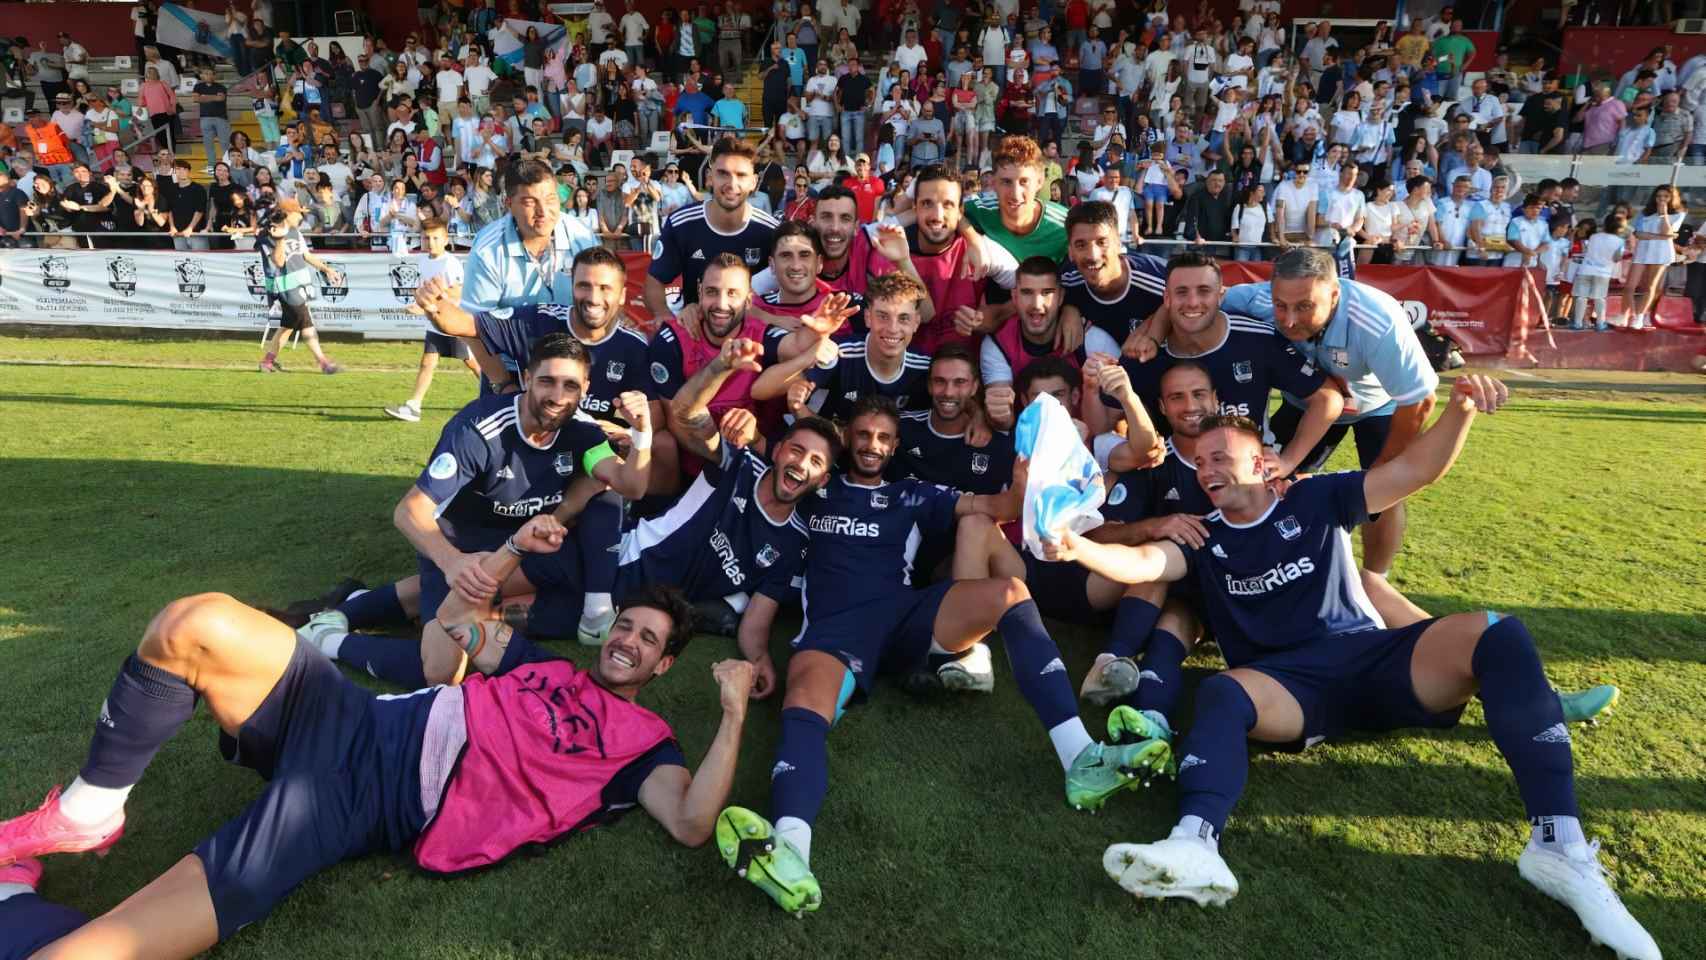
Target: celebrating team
827	422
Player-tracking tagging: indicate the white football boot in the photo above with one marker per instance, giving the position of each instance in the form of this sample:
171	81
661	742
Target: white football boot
1575	878
1179	866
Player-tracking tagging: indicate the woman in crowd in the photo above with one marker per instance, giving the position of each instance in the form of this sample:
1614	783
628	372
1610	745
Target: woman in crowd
1380	218
162	106
485	202
1250	223
396	148
398	82
1655	250
242	159
798	203
582	211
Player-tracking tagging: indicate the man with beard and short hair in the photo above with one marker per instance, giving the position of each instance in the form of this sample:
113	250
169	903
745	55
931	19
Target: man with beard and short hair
1107	286
1309	659
499	461
725	222
933	441
880	362
524	257
1033	332
443	772
796	262
864	617
853	252
943	259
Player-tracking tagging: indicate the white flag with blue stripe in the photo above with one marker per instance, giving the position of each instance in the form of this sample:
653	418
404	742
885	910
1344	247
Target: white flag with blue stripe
1063	490
194	31
507	46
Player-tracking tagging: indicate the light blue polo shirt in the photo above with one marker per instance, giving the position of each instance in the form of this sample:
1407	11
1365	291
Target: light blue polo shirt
1369	344
500	274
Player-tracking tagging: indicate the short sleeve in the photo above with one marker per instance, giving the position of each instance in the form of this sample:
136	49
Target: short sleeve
482	286
1401	366
1339	496
664	352
460	456
1290	371
666	266
504	335
773	338
623	790
936	506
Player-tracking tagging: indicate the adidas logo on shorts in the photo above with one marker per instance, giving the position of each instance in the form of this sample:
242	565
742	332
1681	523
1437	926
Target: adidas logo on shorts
1191	760
781	767
1556	733
1053	666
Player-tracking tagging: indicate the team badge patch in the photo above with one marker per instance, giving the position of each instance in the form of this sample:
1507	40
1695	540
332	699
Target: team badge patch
565	464
1341	358
879	500
754	256
1117	495
1289	528
660	373
1242	373
443	466
614	370
980	463
768	555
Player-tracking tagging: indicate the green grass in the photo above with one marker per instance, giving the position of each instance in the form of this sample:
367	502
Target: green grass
128	483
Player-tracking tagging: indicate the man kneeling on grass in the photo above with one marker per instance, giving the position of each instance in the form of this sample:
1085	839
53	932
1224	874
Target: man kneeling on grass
439	771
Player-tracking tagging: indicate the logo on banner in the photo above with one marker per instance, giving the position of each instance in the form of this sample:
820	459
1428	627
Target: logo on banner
121	275
336	293
405	277
192	282
1417	311
55	272
255	278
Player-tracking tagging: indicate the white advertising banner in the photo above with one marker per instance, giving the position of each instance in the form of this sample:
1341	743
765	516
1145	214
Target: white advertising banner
177	290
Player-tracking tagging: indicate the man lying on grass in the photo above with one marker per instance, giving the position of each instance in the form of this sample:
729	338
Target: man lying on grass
462	776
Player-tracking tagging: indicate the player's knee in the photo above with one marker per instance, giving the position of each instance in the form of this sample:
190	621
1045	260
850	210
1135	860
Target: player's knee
974	525
1223	696
1013	591
186	626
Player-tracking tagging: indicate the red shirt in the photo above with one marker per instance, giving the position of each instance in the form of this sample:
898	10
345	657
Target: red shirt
866	193
1077	15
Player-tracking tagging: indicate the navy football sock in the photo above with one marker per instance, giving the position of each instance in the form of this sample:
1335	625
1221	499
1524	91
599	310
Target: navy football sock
1216	757
1161	676
394	659
32	923
1037	667
800	778
144	708
1134	619
598	530
373	608
1525	718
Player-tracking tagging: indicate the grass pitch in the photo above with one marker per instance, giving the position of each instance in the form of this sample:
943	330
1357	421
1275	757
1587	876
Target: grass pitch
135	472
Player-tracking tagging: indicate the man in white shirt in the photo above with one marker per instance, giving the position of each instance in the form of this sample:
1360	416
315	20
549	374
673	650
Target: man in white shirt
820	103
335	169
1343	206
1451	216
167	71
911	53
634	27
1294	207
599	23
450	82
1486	114
617	56
1114	192
478	79
1315	48
76	58
1200	59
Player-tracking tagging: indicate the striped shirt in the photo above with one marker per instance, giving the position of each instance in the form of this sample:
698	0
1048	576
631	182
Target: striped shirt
851	377
689	242
1146	281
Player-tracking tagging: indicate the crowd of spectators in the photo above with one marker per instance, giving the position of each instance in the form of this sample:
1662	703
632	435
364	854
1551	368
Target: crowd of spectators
1195	129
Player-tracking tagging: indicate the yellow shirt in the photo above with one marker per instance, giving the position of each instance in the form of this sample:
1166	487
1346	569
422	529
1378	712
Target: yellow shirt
1411	48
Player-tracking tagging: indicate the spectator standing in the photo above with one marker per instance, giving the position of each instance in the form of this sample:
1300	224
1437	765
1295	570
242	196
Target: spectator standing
187	210
853	92
1208	215
90	200
215	123
162	105
1092	56
612	211
1454	52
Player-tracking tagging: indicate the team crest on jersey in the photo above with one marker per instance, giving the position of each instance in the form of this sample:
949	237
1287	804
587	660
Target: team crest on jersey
980	463
1289	528
660	373
879	500
754	256
1341	358
1217	551
768	555
614	370
443	466
565	464
1242	373
1116	496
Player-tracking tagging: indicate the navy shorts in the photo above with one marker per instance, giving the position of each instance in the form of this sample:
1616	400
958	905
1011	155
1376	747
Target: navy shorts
1356	681
449	346
1370	435
343	772
890	637
560	590
540	569
1059	588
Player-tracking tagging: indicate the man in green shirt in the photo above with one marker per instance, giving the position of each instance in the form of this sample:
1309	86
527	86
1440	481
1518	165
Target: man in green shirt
1019	217
1454	50
706	28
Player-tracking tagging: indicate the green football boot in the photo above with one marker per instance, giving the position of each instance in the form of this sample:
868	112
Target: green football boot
749	844
1102	770
1128	725
1585	706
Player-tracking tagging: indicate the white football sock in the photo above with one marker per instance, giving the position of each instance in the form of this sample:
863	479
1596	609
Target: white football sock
331	643
86	804
1069	738
798	833
1199	830
596	607
1557	833
8	890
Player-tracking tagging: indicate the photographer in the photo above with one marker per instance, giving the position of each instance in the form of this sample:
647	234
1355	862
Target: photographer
287	262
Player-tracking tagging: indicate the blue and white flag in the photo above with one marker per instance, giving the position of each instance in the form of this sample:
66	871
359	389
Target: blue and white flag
194	31
508	47
1064	486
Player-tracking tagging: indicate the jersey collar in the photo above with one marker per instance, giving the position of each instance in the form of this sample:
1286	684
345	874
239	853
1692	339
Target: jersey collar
1253	523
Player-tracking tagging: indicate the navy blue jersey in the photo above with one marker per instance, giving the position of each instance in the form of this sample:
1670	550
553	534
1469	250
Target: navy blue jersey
947	460
851	378
618	362
1251	360
1128	498
689	243
1174	487
487	478
1288	579
716	541
864	539
1145	283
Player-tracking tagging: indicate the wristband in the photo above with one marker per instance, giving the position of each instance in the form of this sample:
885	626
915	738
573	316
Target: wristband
640	439
509	544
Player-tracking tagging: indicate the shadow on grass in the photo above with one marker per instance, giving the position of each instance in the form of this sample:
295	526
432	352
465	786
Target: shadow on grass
1567	634
300	408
